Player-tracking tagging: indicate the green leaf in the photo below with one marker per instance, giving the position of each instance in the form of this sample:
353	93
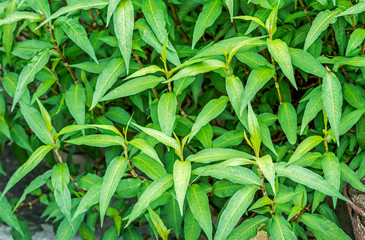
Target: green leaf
280	52
46	117
353	96
229	139
230	5
107	78
91	198
75	101
28	166
159	225
358	8
210	12
254	19
332	102
113	4
192	228
147	165
210	111
40	6
348	175
308	178
320	24
202	67
287	117
28	73
271	21
235	174
8	216
349	120
79	5
331	170
280	229
77	34
267	167
167	112
248	229
199	206
306	62
8	29
20	15
60	179
133	87
123	20
98	140
181	173
153	191
210	155
255	82
235	208
305	146
146	148
36	123
161	137
254	128
320	224
235	91
113	174
356	38
67	231
314	106
153	12
145	71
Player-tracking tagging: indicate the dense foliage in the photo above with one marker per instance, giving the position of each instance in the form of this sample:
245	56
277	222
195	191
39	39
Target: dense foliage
198	118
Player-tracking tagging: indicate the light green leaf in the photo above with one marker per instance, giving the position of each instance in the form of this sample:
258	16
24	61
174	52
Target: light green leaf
320	24
67	231
314	106
60	179
248	229
161	137
145	71
199	206
28	73
181	173
210	111
123	20
306	62
348	175
267	167
79	5
8	29
332	102
230	5
146	148
305	146
308	178
167	112
20	15
235	208
210	155
353	96
280	52
133	87
113	4
91	198
36	122
77	34
113	174
234	89
153	191
287	117
358	8
8	216
28	166
356	38
153	12
159	225
46	117
271	21
98	140
280	229
229	139
192	228
116	68
256	81
255	19
149	166
349	120
40	6
331	170
19	136
327	228
253	127
210	12
202	67
75	101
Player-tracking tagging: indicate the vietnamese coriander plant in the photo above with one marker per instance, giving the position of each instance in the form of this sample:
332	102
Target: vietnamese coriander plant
196	119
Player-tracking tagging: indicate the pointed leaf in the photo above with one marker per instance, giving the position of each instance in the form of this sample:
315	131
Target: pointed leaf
181	173
167	112
287	117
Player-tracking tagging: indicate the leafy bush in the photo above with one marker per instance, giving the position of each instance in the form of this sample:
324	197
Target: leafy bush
200	117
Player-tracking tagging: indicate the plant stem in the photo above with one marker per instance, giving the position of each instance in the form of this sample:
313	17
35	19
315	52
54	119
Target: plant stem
178	24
